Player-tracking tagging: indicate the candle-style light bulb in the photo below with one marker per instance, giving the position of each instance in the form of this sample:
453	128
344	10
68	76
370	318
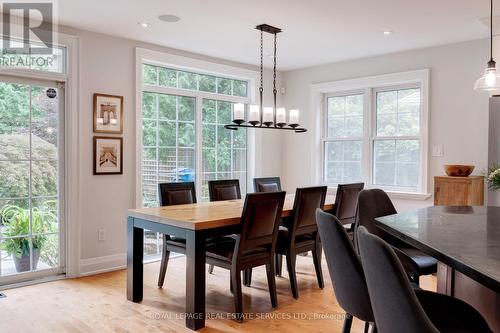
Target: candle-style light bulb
293	118
239	113
281	117
268	116
254	115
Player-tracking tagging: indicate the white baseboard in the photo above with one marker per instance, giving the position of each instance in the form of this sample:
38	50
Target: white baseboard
91	266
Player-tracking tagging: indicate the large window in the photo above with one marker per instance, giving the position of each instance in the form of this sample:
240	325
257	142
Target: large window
375	135
183	135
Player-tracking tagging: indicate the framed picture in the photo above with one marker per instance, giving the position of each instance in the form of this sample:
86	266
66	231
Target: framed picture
108	114
108	156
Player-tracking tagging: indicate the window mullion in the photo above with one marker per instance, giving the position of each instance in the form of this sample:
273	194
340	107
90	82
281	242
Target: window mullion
199	146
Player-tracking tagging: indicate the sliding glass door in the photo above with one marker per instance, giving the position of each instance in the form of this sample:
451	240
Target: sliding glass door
30	178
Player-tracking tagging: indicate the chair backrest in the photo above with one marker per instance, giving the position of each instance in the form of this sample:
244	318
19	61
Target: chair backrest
177	193
224	189
395	306
373	203
260	221
346	202
307	199
267	184
344	266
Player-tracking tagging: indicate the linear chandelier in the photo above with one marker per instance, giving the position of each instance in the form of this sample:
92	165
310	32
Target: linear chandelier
258	115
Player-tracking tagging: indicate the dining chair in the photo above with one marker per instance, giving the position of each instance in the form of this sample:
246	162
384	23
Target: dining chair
375	203
253	246
301	233
224	189
346	202
218	190
267	184
174	194
346	272
397	307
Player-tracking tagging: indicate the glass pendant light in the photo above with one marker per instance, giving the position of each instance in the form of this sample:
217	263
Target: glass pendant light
491	78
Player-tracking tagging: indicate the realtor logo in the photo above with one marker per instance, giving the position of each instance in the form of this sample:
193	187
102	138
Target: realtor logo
37	25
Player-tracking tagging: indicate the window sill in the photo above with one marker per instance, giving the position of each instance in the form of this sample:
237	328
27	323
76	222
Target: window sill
396	195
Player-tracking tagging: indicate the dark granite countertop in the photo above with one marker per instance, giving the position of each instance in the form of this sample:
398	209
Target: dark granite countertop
465	238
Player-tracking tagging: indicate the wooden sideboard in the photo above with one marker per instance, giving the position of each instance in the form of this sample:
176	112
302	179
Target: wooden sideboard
458	191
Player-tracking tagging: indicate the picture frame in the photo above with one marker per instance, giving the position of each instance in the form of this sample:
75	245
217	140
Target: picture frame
108	155
108	114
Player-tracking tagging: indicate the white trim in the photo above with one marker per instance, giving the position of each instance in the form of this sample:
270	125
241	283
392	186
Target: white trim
69	220
113	262
197	66
319	90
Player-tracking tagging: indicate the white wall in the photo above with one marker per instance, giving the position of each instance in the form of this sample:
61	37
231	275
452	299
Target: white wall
107	65
458	115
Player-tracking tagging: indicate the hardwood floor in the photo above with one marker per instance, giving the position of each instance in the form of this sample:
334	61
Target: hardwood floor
98	304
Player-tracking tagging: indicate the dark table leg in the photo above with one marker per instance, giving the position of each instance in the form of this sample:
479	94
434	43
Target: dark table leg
135	248
195	279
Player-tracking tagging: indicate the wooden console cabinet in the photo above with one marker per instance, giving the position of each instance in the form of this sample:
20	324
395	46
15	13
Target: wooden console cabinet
458	191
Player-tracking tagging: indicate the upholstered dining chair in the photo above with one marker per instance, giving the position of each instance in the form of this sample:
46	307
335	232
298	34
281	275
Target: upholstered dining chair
253	246
228	189
375	203
174	194
267	184
397	307
346	202
219	190
300	234
345	269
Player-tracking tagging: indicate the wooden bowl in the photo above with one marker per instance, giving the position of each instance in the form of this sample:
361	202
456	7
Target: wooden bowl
458	170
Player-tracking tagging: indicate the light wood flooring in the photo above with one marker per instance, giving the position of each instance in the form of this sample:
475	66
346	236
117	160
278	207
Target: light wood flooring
98	304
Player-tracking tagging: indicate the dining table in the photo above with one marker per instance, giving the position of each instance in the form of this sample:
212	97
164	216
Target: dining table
196	223
466	242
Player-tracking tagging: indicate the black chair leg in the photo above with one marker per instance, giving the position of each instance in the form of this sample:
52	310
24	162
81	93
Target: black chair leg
271	281
164	262
278	258
290	264
211	269
317	265
238	297
347	323
367	327
247	277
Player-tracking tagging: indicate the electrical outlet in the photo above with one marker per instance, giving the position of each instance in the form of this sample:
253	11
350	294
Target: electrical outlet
102	234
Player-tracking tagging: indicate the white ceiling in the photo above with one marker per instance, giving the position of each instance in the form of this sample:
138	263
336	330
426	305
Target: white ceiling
314	31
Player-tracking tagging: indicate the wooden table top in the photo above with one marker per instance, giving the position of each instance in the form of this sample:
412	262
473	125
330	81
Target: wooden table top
207	215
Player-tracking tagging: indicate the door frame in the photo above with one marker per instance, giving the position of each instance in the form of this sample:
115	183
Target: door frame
70	163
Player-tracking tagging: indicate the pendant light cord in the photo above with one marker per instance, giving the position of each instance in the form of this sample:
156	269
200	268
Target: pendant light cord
274	78
491	30
261	89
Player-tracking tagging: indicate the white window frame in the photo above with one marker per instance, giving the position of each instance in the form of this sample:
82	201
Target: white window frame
371	85
145	56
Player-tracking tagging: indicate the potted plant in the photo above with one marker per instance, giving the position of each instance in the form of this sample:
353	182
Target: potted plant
16	231
493	177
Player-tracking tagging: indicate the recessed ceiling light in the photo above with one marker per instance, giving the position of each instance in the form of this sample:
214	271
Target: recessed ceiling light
144	24
169	18
388	32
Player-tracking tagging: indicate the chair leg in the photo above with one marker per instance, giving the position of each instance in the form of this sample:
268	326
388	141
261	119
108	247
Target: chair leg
416	278
278	259
290	264
238	298
164	262
317	265
271	281
347	323
367	327
211	269
247	277
374	328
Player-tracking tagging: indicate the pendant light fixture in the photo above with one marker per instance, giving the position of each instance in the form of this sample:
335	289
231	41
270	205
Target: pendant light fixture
491	79
260	116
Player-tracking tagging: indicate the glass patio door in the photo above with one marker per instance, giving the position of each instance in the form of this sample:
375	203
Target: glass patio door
30	179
